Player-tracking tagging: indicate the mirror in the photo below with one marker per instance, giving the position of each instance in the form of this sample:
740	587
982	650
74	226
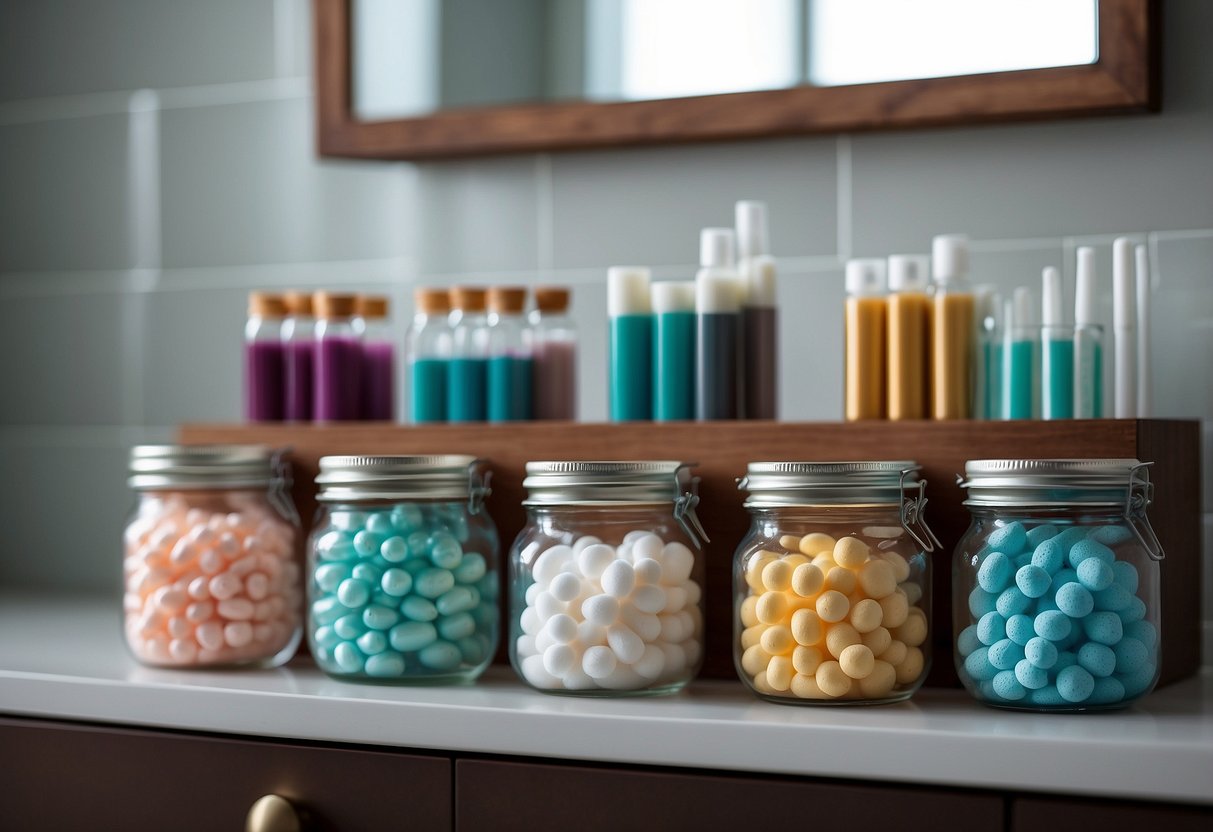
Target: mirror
424	78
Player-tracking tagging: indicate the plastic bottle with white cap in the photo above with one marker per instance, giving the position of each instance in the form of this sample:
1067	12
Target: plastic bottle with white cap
631	349
1124	329
1145	379
864	395
759	315
953	329
909	316
1019	376
1088	341
1056	351
717	308
987	363
674	350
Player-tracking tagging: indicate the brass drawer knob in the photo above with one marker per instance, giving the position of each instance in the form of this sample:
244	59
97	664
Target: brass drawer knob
272	813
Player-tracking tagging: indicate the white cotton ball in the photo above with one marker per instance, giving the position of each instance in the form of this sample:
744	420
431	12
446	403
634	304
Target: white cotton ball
530	621
532	592
694	650
627	646
694	592
599	662
675	599
546	606
543	640
672	631
536	674
687	622
602	609
578	679
623	678
590	634
559	659
582	542
677	562
636	534
525	646
649	599
651	663
561	628
644	624
564	587
624	552
648	546
594	559
618	579
647	571
550	563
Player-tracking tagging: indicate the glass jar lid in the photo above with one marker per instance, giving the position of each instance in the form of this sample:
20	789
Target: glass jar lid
437	477
773	484
157	467
1052	482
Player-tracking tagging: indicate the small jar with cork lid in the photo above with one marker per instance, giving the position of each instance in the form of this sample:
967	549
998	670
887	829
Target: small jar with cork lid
338	379
427	347
467	374
299	348
553	337
378	359
263	358
510	366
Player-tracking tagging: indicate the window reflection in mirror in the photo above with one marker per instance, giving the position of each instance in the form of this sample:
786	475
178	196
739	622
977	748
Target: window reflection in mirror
414	57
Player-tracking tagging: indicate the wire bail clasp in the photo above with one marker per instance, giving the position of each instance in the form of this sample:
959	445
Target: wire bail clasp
684	509
1138	495
478	488
912	508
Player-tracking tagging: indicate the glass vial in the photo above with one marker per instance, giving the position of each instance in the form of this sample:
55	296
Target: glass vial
510	368
338	382
1056	352
1019	353
908	342
299	347
865	340
953	329
263	358
427	346
553	336
674	351
1088	342
467	376
378	360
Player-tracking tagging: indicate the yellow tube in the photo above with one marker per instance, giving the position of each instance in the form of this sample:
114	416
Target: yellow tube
865	358
952	342
909	316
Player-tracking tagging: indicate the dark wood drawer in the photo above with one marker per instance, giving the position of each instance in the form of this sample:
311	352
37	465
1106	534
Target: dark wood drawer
1045	814
504	796
58	776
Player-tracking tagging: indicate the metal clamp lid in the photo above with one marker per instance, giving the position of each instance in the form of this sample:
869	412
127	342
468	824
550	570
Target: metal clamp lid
404	477
189	467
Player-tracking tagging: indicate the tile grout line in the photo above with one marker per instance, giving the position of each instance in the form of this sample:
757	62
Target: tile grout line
844	207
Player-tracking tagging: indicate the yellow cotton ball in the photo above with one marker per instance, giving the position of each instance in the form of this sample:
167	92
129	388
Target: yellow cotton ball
748	611
842	579
777	575
876	578
777	640
761	684
851	552
790	542
910	667
815	543
779	673
914	631
895	653
824	562
879	683
807	580
804	685
839	637
806	627
751	635
896	609
772	607
877	640
857	661
753	571
866	615
795	560
912	590
832	681
832	606
806	660
901	566
755	660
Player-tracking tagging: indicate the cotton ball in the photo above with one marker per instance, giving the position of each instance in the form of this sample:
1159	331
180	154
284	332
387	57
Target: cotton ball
578	679
559	659
536	674
582	542
561	628
671	629
627	646
694	651
543	640
618	579
603	609
647	571
532	592
525	646
651	663
646	625
529	621
564	587
675	599
678	560
594	559
675	659
547	606
649	599
550	563
624	552
590	634
622	678
645	545
694	593
599	662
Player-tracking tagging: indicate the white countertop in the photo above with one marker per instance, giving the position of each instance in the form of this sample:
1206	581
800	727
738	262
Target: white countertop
63	658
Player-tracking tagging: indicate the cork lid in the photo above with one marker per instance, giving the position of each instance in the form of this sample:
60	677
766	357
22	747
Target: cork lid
552	298
298	303
266	305
334	304
468	298
509	299
372	306
432	301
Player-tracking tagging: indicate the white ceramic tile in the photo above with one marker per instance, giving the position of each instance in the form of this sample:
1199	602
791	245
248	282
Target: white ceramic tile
61	47
1183	262
647	205
478	216
63	194
1182	328
242	184
61	359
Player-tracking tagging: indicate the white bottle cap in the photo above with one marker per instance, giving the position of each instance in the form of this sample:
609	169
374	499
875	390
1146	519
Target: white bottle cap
1025	313
1084	288
760	280
674	296
1052	311
1124	292
908	272
751	220
866	277
950	258
716	292
628	290
717	248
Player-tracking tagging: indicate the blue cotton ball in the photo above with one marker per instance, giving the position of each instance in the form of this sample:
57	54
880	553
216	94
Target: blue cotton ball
1006	686
1032	581
1097	659
968	640
1143	631
1139	683
1068	537
1111	535
1053	625
1064	659
1108	691
1114	598
1021	560
1064	576
1074	600
1046	697
1031	676
1012	602
991	628
981	602
1045	603
1041	652
1136	611
1009	539
1020	629
1131	655
977	665
1126	575
995	572
1005	654
1088	548
1075	684
1094	574
1103	627
1049	556
1040	534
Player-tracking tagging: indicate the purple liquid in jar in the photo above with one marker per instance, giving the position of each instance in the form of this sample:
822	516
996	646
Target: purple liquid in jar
300	369
379	381
338	377
555	381
263	381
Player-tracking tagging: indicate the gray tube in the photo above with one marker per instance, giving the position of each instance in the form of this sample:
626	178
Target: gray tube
760	373
716	366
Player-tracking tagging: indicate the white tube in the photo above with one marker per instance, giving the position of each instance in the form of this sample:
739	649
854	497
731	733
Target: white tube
1124	330
1145	379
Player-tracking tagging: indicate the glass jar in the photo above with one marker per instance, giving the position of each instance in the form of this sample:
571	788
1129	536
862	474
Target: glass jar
606	579
402	570
1056	584
210	572
832	584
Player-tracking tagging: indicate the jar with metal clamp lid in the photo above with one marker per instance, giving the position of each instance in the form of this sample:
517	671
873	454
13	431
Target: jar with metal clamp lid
402	570
832	584
1056	584
211	575
606	579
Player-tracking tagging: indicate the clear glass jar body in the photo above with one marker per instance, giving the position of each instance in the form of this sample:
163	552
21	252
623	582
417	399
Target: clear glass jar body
510	369
211	578
605	601
264	370
403	591
337	390
553	338
378	370
428	350
467	370
1037	630
299	346
832	605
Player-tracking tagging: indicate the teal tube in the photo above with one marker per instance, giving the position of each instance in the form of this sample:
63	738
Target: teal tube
465	392
1057	378
631	368
427	391
991	361
674	367
509	388
1019	359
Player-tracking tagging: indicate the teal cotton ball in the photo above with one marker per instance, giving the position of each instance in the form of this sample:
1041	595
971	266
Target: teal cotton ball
406	518
1010	539
1113	599
1020	629
1108	691
1074	600
1138	683
445	551
1021	560
981	602
1136	611
1111	535
967	641
1064	659
1094	574
1064	576
1033	581
1041	652
1126	575
1097	659
1005	654
1075	684
1031	676
977	665
1049	556
1007	687
348	657
991	628
1046	697
1054	625
1088	548
1068	537
1011	601
1131	655
385	666
1040	534
1103	627
1143	631
995	572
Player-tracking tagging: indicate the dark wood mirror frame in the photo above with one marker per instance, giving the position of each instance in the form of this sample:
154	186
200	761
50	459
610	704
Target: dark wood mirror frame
1124	80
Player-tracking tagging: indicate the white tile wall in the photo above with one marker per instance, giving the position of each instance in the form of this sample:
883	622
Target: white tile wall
228	196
